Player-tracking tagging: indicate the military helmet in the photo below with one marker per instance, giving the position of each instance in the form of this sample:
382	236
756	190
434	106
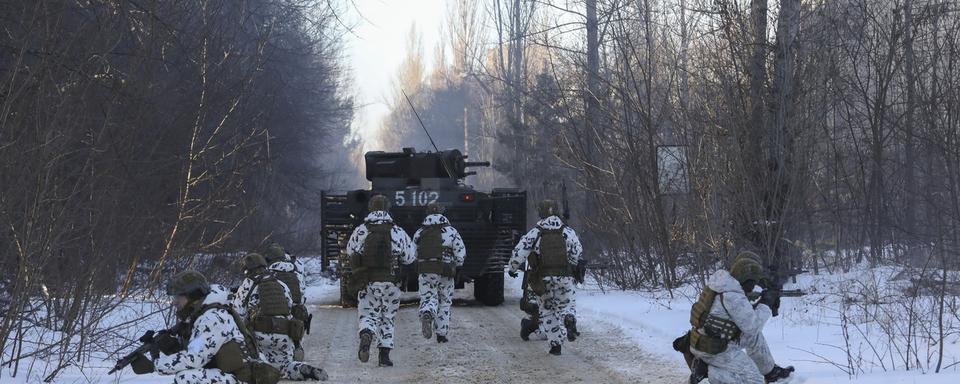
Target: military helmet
745	268
275	253
435	209
378	203
749	255
548	208
186	282
253	261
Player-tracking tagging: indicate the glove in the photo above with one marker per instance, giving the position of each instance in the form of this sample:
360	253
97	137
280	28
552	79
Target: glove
167	343
513	273
771	298
142	365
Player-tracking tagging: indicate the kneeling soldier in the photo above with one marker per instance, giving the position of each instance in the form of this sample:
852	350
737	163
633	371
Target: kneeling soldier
264	302
376	248
727	330
552	252
290	271
209	346
440	251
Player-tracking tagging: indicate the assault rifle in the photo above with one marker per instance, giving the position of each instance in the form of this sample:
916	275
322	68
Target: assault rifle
754	296
152	342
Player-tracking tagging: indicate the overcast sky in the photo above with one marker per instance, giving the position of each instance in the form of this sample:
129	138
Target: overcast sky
377	46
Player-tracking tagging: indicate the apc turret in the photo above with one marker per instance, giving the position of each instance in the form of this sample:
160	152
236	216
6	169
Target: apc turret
444	169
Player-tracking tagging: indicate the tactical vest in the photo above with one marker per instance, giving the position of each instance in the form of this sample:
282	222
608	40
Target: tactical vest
375	263
273	301
293	282
552	259
430	252
710	334
273	309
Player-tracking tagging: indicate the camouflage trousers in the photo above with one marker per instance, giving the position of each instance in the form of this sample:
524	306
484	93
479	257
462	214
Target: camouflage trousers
744	362
556	302
204	376
436	295
277	349
540	333
377	306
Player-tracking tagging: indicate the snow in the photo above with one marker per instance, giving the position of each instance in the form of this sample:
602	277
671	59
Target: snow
808	334
117	332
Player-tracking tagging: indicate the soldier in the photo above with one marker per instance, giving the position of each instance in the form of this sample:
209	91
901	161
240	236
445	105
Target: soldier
374	248
727	329
552	252
264	302
212	347
440	252
290	271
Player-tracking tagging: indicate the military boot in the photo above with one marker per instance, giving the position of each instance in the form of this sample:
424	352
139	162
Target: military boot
777	373
698	370
570	322
385	357
526	328
366	337
426	325
555	350
441	339
313	373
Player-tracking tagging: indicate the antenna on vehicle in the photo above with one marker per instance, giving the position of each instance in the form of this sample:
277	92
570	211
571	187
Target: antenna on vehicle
443	160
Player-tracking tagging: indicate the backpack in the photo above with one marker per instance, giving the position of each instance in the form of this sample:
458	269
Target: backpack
430	252
552	259
375	263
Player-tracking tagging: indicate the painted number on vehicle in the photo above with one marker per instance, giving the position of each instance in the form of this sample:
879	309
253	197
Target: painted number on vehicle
415	198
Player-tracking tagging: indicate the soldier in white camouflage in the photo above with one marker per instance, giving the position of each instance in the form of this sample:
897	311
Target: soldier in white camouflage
290	271
727	329
264	302
440	252
551	252
209	345
376	249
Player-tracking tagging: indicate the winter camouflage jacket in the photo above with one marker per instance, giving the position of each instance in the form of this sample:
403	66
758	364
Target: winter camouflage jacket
402	247
451	239
732	304
212	330
530	243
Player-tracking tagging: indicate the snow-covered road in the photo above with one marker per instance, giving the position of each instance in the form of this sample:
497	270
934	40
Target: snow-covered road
485	347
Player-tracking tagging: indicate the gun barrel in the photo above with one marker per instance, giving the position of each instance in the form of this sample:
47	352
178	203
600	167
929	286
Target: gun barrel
476	164
791	293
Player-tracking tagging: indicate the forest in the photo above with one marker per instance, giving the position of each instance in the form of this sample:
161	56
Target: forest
139	137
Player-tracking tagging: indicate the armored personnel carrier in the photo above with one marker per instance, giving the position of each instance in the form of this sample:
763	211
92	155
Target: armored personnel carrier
490	223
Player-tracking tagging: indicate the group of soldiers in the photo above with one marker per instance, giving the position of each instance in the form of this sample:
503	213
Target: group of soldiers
377	247
251	335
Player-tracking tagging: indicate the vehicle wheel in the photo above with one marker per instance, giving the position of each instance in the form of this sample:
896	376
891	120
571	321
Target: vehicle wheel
479	287
348	299
490	291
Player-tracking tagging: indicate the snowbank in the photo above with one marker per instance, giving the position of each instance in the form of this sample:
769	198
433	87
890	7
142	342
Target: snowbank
849	328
